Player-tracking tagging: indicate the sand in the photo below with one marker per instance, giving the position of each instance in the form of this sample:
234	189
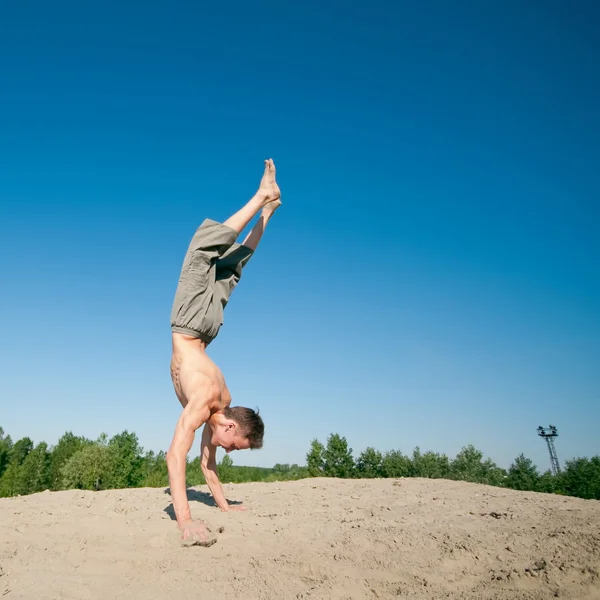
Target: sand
315	538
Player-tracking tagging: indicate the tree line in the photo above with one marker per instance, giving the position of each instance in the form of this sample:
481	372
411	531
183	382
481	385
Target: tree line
76	462
580	477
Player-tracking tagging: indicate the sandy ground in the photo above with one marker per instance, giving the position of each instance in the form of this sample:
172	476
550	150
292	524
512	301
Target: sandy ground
316	538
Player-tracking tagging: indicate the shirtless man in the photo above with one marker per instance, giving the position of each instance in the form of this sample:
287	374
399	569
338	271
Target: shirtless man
211	269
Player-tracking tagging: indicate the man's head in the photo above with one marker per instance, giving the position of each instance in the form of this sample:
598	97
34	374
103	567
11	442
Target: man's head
238	428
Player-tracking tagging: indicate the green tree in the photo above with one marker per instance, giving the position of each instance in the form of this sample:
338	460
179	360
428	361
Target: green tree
90	468
314	459
549	484
297	472
67	445
34	474
523	475
369	463
470	466
430	464
5	450
127	461
280	469
155	470
225	469
581	478
10	484
20	451
395	464
337	457
193	475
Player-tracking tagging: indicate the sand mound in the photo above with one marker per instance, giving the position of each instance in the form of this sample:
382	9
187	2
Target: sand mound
316	538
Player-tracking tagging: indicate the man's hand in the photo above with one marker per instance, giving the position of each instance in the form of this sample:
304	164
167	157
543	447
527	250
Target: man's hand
235	508
196	532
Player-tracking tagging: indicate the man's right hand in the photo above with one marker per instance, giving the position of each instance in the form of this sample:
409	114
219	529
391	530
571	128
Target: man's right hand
196	532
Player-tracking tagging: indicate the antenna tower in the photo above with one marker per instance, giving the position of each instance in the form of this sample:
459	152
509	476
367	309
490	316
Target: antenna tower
549	433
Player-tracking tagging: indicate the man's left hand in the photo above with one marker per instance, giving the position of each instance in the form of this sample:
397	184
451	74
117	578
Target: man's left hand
235	508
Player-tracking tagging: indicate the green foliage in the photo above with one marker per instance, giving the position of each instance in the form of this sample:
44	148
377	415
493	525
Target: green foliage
314	459
548	484
430	464
5	449
396	464
337	457
581	477
155	470
224	470
470	466
287	473
20	451
11	483
120	462
523	475
127	461
90	468
34	473
369	463
107	464
67	445
194	474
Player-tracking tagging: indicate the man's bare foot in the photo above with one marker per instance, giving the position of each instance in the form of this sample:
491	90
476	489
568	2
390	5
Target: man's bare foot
269	190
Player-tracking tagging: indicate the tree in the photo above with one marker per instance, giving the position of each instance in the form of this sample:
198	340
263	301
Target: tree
549	484
5	450
429	465
67	445
280	469
337	457
470	466
10	484
155	469
581	478
127	461
90	468
314	459
369	463
193	473
395	464
523	475
224	469
20	450
34	474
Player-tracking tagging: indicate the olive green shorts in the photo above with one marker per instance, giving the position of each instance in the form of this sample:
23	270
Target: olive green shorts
211	269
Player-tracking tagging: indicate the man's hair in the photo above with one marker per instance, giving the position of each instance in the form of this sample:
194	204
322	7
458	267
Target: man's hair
253	428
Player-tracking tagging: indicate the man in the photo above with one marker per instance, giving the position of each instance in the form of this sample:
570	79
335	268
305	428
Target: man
211	269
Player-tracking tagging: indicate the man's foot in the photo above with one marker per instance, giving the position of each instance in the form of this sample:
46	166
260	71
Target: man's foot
270	208
269	190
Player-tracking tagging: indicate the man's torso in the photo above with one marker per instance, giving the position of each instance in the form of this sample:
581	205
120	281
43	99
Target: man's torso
190	363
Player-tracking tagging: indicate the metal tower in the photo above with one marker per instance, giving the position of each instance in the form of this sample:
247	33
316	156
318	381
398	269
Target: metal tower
549	433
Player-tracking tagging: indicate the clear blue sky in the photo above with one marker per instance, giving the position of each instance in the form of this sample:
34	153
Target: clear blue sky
432	278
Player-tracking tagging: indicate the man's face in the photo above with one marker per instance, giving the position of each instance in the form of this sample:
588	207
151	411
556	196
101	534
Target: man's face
228	436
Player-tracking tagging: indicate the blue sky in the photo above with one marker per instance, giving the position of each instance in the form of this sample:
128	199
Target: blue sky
431	279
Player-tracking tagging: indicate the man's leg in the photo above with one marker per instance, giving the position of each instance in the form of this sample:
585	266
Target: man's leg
230	265
193	296
196	311
268	191
256	234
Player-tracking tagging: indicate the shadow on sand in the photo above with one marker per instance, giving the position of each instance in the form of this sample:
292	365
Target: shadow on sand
195	496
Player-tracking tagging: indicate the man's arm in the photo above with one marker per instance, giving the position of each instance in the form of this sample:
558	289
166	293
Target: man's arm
208	462
194	415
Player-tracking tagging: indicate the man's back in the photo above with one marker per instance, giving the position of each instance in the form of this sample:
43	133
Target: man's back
192	370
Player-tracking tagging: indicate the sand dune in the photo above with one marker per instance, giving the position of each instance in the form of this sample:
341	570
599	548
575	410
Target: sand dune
316	538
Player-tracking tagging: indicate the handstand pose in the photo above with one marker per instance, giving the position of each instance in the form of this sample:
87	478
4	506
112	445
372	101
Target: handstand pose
211	269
